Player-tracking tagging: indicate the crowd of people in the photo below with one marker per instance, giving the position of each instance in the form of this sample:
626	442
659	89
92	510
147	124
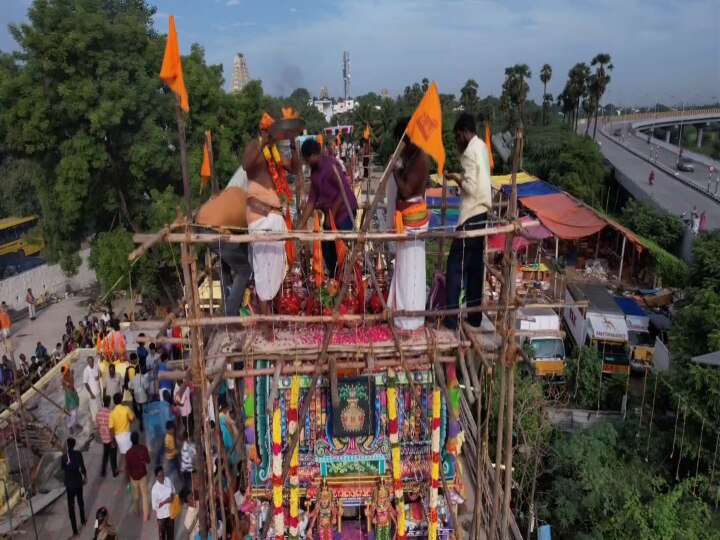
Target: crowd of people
120	387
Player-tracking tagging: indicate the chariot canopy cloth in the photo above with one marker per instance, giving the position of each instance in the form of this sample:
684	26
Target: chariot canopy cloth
531	189
498	181
496	242
564	216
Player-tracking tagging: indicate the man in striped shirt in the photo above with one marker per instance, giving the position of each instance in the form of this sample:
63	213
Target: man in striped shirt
102	419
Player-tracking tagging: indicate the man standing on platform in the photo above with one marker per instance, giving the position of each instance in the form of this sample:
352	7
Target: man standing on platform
326	180
225	213
268	192
406	199
466	255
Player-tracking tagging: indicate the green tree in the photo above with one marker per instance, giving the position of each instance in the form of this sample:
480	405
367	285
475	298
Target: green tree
603	65
598	491
576	88
545	76
300	97
514	95
469	96
705	267
662	227
20	178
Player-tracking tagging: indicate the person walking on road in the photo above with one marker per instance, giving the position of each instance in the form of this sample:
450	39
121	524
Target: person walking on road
91	381
5	322
72	400
71	462
102	419
136	461
30	301
162	496
112	383
104	530
121	418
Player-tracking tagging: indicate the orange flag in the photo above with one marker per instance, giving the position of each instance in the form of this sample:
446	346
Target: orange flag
366	133
289	244
318	265
205	169
171	70
425	127
488	143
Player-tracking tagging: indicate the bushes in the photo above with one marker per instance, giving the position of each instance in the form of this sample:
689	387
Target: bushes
662	227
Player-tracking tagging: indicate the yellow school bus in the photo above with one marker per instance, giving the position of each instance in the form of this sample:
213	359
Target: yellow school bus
14	237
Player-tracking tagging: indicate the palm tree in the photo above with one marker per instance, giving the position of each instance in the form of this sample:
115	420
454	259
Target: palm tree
577	80
545	76
603	65
425	84
547	105
515	91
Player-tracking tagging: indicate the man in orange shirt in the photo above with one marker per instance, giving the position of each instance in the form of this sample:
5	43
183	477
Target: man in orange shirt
5	320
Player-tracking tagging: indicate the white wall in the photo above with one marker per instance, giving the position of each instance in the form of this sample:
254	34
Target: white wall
47	278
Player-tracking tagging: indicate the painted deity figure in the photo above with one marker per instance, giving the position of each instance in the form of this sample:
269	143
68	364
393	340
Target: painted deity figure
327	513
381	512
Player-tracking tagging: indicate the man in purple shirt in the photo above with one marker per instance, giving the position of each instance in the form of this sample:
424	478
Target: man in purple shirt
325	182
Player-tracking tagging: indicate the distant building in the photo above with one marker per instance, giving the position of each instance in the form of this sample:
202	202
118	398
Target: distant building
324	93
240	75
330	109
385	93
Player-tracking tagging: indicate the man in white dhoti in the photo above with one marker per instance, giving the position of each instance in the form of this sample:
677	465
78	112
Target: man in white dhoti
268	192
406	198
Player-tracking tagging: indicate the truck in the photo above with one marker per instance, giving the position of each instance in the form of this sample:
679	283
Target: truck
546	352
600	326
640	340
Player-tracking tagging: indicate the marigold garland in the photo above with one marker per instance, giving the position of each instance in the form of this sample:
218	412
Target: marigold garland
277	173
294	477
434	466
395	454
277	497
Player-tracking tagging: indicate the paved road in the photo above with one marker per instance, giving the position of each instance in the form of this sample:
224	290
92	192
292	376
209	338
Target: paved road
667	191
665	156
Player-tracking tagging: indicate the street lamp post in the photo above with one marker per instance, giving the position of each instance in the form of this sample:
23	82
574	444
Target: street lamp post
681	130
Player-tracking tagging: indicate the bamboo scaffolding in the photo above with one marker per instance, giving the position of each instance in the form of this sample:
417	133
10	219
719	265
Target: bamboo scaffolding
327	236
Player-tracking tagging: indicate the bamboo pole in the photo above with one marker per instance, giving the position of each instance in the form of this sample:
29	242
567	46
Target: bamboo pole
275	385
443	220
194	332
372	317
310	236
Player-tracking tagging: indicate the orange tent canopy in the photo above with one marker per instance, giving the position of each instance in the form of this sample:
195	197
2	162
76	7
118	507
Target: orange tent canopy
564	216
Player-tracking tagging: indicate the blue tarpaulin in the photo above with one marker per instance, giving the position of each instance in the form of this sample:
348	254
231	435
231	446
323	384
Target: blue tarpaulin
629	306
451	214
532	189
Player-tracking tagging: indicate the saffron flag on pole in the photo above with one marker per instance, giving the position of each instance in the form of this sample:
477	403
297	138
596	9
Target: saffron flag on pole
205	172
425	127
366	133
488	143
171	70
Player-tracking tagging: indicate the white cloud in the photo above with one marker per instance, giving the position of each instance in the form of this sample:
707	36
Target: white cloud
232	3
293	10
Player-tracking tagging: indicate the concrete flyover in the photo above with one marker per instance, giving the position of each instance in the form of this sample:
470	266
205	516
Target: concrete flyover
670	126
677	192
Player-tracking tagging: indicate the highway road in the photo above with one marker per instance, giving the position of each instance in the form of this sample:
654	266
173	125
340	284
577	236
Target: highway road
666	156
667	191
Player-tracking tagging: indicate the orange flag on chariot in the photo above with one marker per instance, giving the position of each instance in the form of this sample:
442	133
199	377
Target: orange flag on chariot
205	169
425	127
366	133
171	70
488	143
317	257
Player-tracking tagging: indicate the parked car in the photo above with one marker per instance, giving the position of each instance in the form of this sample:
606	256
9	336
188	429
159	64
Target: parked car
686	165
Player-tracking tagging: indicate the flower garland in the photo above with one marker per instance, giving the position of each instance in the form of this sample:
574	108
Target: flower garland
277	173
294	478
395	454
454	436
434	466
277	495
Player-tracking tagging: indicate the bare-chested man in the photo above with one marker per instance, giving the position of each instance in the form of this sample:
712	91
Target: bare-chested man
267	193
407	196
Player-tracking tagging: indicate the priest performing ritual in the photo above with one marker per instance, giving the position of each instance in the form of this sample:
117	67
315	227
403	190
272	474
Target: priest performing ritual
269	197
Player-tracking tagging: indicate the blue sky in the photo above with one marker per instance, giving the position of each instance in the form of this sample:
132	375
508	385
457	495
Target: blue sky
664	49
